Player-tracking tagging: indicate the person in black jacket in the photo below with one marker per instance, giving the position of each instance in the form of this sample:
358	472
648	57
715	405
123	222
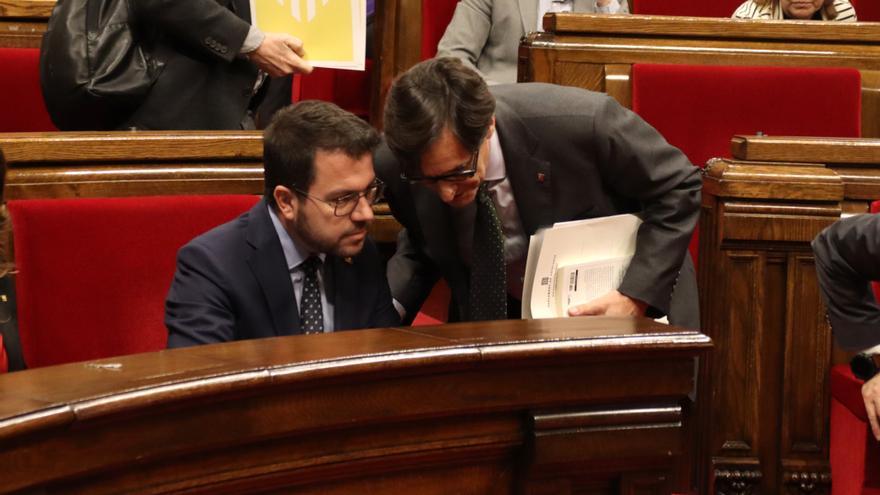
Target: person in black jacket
847	260
215	63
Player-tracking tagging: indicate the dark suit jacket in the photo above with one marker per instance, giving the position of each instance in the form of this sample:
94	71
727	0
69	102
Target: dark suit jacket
570	154
232	283
847	259
204	83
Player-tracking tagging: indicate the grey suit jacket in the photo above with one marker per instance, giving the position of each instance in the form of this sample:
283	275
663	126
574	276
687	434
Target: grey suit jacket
570	154
485	34
847	259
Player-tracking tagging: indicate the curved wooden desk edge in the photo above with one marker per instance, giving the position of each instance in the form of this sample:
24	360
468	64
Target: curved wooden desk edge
114	415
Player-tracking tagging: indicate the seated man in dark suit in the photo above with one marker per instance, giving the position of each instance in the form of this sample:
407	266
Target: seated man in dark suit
847	260
530	155
299	261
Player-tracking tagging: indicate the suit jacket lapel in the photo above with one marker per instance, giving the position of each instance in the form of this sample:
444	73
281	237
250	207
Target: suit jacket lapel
344	292
530	176
441	239
528	11
270	269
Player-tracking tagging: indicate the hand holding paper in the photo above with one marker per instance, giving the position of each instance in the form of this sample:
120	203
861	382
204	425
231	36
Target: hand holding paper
280	55
611	304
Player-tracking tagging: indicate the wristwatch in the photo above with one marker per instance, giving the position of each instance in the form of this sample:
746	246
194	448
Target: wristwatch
865	366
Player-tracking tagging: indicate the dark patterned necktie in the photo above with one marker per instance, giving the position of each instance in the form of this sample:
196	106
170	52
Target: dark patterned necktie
311	313
488	297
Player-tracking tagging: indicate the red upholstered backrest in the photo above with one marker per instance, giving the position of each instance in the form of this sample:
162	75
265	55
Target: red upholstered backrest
867	10
698	108
695	8
93	273
350	89
21	102
436	15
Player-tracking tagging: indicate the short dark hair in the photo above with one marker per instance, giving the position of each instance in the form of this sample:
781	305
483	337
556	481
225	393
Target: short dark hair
297	132
431	96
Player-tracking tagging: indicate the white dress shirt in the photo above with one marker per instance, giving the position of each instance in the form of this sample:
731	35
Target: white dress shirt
295	255
556	6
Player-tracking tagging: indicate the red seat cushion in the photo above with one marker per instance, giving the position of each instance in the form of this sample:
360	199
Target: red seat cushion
695	8
855	454
436	15
21	102
698	108
349	89
4	360
867	10
92	274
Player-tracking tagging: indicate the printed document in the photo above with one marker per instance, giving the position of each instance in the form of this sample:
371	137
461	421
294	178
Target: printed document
333	31
574	262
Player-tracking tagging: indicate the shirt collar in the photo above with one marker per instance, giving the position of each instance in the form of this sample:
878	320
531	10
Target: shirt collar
294	252
496	169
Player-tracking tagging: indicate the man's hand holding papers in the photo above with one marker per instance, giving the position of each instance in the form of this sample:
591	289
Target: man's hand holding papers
611	304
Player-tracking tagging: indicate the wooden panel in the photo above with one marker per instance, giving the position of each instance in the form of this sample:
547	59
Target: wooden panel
588	39
618	84
806	149
766	311
711	27
28	9
144	163
394	410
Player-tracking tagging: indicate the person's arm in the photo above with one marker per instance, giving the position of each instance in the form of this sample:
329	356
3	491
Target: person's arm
214	30
847	259
637	163
197	309
467	32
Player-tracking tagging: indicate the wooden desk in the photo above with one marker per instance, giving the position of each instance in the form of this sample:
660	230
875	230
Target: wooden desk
597	52
144	163
767	423
550	406
23	22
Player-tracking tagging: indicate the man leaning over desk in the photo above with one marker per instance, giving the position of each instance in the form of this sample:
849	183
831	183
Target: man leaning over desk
473	172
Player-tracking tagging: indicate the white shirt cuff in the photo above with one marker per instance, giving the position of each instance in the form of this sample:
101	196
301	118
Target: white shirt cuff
254	39
399	307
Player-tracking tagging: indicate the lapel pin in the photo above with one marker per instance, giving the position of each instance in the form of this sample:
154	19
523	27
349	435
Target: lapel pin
541	177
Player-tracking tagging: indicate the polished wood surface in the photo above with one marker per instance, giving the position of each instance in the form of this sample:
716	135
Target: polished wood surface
767	421
144	163
579	405
596	52
23	22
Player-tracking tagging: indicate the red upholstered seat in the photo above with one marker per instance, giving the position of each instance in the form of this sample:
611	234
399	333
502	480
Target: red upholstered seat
698	108
855	454
696	8
436	15
350	89
93	273
867	10
21	102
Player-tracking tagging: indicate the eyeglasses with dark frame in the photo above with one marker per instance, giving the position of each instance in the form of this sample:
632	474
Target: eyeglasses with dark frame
460	173
344	205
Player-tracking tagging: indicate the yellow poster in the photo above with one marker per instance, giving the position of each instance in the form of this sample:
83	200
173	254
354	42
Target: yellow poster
333	31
